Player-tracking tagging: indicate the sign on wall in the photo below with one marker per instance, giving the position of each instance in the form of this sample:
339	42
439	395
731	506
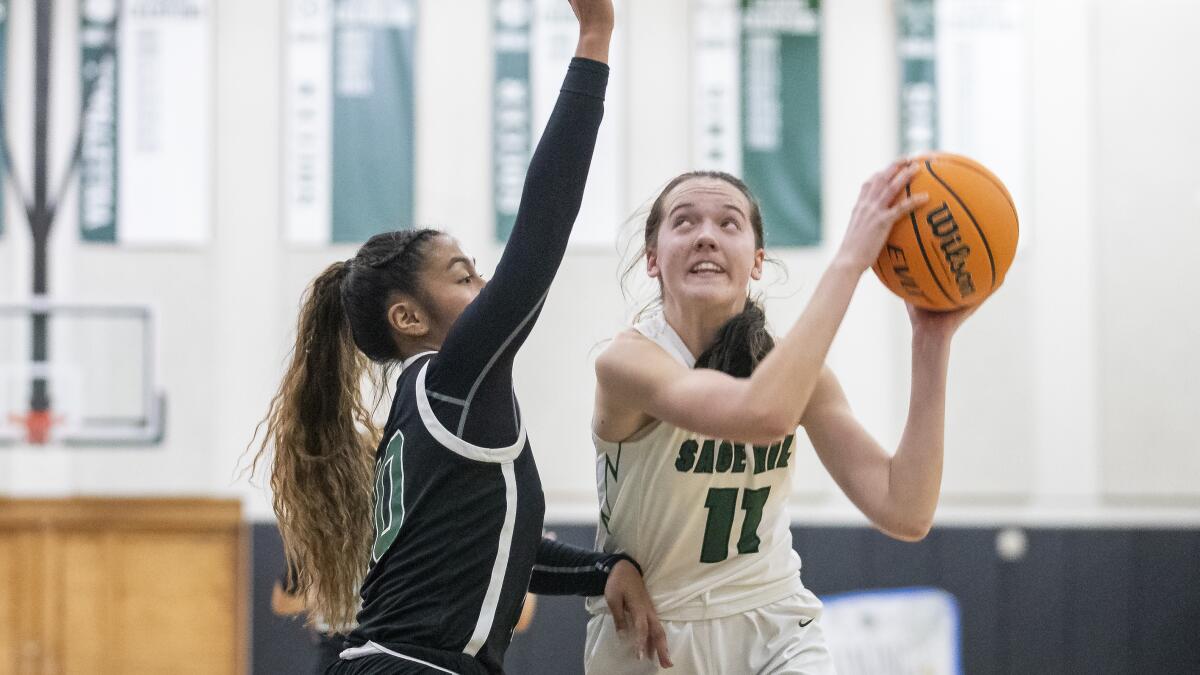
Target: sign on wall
349	152
146	132
533	42
756	107
964	86
3	101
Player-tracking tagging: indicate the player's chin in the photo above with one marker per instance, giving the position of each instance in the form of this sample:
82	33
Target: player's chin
709	289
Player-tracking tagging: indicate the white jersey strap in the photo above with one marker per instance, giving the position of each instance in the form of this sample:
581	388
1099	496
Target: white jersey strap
656	328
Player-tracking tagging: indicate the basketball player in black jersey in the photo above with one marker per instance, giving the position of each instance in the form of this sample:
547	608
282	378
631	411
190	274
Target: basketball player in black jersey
434	526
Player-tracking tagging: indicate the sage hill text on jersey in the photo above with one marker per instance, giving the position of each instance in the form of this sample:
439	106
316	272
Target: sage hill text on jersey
713	456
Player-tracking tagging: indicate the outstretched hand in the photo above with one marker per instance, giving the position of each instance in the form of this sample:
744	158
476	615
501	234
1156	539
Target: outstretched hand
633	613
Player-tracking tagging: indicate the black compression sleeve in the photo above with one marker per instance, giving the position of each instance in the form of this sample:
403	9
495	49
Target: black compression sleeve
475	359
562	569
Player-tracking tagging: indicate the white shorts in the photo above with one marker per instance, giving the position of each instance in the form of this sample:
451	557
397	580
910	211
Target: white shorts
783	638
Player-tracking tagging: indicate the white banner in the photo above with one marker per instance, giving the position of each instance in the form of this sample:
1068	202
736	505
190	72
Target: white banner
553	32
308	121
716	126
965	83
156	98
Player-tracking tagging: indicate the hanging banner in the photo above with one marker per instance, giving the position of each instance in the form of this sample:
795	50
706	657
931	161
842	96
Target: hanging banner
716	91
146	133
512	109
918	77
3	100
533	42
349	150
756	96
964	85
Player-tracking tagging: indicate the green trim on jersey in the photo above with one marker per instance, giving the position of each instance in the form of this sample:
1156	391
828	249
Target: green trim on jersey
614	469
389	496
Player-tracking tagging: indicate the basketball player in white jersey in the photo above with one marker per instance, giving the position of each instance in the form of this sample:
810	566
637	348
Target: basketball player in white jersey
695	415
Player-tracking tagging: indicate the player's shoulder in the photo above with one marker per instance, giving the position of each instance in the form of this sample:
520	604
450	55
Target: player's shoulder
628	338
631	353
627	346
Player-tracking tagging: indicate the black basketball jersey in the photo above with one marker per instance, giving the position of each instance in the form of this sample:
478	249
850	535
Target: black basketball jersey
457	530
458	502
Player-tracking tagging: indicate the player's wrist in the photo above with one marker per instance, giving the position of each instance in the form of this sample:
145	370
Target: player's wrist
931	339
614	562
594	45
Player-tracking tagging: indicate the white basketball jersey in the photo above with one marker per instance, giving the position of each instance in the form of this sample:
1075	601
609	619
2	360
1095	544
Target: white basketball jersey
706	518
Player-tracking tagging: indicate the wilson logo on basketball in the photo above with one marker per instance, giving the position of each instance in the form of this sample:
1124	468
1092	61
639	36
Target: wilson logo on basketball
945	228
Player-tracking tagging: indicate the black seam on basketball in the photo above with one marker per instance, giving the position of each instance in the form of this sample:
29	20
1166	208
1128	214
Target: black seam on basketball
912	215
991	179
986	247
986	176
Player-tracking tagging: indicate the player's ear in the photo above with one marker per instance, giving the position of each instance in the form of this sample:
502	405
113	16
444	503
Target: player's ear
756	272
406	316
652	269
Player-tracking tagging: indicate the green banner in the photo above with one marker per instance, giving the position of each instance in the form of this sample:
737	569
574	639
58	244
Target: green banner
373	118
918	77
98	129
512	111
781	125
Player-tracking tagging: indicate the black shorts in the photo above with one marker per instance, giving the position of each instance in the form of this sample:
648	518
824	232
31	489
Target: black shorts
381	664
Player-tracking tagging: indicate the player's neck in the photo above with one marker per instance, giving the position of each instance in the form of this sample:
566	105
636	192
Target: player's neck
698	326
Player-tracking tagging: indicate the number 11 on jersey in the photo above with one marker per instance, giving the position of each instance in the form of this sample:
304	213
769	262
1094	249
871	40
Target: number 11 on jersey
722	505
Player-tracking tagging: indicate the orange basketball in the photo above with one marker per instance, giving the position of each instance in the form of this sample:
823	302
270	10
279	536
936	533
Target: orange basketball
955	250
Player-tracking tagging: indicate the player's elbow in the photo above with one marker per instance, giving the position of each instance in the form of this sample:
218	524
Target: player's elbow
765	421
769	425
910	530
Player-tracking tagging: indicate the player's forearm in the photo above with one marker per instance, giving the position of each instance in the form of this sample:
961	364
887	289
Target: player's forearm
498	321
785	380
553	190
562	569
915	479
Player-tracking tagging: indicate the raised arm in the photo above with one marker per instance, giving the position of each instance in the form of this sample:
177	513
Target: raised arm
484	339
767	405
